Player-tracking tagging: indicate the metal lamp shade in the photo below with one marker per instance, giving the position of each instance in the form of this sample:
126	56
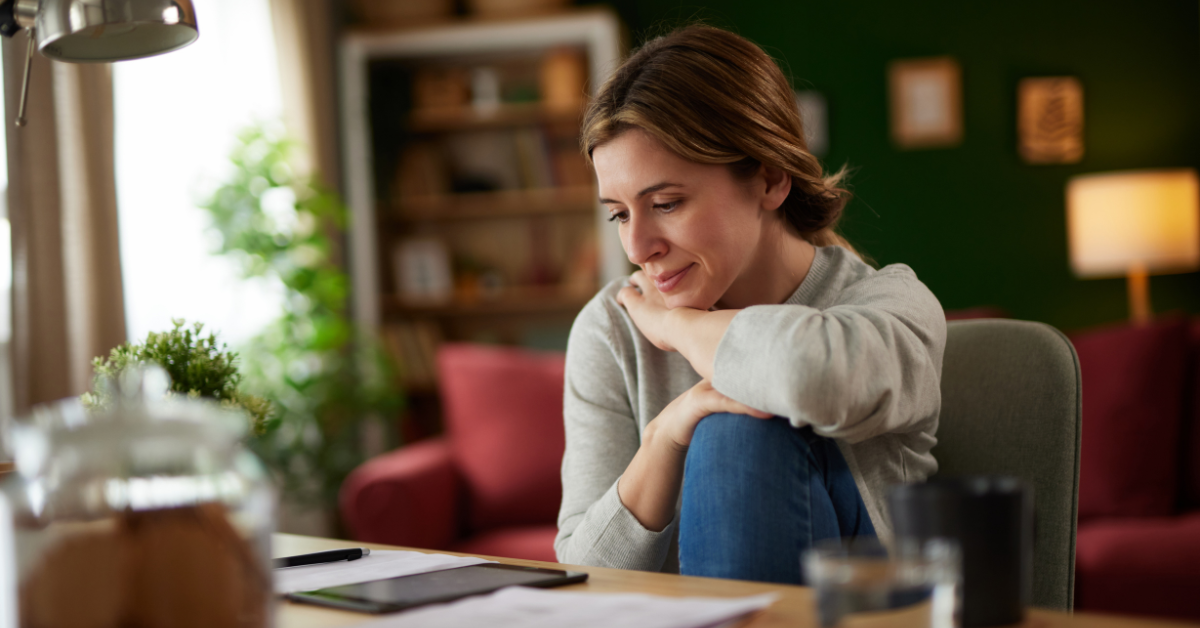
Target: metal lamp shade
83	31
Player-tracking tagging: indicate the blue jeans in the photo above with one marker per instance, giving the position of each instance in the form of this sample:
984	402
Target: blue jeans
757	493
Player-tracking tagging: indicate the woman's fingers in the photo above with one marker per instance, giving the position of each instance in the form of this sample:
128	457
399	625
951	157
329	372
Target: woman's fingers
741	408
718	402
627	295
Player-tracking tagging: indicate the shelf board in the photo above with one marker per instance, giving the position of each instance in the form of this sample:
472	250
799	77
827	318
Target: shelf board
493	205
514	300
468	117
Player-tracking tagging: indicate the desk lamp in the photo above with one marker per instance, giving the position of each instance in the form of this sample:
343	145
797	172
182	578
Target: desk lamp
97	31
1134	223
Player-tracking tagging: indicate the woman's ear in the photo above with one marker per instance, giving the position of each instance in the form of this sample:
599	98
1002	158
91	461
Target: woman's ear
778	184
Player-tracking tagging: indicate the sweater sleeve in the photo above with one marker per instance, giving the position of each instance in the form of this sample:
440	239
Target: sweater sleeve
869	365
602	436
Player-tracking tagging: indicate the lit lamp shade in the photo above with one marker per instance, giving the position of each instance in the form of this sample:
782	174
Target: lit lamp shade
1144	222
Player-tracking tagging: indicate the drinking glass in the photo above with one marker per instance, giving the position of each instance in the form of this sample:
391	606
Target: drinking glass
859	582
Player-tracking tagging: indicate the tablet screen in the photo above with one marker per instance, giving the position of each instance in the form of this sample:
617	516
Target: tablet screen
394	594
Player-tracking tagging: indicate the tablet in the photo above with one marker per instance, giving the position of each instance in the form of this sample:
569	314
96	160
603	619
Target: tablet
397	594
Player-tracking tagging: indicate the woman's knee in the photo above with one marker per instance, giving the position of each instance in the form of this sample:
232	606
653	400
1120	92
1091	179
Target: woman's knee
726	439
725	430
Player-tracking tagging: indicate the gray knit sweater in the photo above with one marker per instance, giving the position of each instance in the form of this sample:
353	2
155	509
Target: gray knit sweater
855	352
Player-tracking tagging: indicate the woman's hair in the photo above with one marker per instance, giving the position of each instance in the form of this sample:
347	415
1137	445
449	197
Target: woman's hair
713	97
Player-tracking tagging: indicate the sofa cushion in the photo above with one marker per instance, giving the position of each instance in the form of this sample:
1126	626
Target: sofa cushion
528	542
503	412
1132	407
1139	566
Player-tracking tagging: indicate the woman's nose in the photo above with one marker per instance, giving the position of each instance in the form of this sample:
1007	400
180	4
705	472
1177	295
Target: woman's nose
643	241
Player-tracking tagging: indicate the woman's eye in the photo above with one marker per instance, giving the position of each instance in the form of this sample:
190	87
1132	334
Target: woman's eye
618	216
666	207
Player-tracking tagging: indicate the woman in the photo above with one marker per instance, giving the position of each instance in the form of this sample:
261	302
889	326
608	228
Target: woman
755	386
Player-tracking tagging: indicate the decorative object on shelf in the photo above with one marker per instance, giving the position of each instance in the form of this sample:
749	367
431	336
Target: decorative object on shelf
140	513
198	367
95	31
485	90
926	102
814	116
483	161
423	271
402	13
441	88
1134	223
1050	120
333	387
562	79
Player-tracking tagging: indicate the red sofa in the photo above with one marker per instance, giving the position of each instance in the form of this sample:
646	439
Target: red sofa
1138	545
490	484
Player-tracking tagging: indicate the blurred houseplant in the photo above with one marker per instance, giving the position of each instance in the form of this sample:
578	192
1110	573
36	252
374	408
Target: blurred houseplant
334	389
197	365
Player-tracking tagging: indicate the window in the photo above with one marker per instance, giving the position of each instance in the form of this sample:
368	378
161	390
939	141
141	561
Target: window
177	116
6	392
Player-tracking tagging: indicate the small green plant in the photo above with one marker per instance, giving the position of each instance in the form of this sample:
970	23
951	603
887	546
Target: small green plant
198	367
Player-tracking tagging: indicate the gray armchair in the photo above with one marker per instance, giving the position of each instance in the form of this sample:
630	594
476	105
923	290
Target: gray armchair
1011	406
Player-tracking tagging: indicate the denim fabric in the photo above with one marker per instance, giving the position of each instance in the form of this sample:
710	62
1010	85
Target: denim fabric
757	493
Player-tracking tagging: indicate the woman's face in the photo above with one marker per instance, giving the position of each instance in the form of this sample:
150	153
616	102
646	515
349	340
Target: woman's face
693	228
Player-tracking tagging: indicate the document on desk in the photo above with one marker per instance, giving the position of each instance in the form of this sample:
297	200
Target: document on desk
378	565
523	607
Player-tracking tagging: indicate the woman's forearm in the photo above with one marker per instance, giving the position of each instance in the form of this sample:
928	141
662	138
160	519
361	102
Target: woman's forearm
649	488
695	334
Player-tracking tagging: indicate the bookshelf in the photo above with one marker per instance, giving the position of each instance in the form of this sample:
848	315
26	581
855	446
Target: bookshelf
473	216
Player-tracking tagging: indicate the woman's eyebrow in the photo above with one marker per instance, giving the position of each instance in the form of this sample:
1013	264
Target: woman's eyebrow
650	190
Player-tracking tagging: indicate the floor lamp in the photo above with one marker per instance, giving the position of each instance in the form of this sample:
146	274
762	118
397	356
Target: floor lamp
1134	223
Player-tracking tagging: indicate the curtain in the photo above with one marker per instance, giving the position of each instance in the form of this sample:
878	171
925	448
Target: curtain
67	300
304	38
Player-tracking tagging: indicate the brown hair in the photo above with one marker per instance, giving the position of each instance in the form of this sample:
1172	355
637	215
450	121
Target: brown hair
713	97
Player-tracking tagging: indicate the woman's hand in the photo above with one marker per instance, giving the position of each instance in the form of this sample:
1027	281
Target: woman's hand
684	413
648	309
650	486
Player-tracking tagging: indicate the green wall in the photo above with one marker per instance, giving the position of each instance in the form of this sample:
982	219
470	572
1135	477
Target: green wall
979	226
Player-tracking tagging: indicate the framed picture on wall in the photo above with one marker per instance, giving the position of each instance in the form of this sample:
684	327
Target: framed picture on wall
926	102
1050	120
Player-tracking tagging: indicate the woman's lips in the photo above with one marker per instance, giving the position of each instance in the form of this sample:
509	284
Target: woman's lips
667	282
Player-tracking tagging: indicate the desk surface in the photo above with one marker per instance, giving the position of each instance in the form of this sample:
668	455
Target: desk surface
794	608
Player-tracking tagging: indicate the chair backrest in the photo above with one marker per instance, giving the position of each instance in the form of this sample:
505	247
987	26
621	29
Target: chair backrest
1011	406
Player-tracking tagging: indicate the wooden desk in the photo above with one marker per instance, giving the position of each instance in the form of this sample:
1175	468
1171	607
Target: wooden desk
793	610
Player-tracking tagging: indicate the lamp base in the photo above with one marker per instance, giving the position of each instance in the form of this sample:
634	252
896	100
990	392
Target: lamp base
1138	283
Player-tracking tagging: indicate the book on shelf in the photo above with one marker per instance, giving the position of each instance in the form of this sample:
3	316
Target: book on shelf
413	346
521	158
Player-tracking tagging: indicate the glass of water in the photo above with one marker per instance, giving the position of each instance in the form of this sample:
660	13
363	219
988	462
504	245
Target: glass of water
859	582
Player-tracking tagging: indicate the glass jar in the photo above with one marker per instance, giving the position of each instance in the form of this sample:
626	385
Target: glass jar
149	512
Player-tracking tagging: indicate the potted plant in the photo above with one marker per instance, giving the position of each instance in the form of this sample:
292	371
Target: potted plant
197	365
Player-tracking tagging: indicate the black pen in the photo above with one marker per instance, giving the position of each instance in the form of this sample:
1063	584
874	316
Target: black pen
316	558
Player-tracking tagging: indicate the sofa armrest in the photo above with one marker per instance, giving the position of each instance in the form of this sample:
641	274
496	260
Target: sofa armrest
406	497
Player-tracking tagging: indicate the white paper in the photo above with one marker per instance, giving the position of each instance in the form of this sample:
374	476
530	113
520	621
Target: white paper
523	607
378	565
